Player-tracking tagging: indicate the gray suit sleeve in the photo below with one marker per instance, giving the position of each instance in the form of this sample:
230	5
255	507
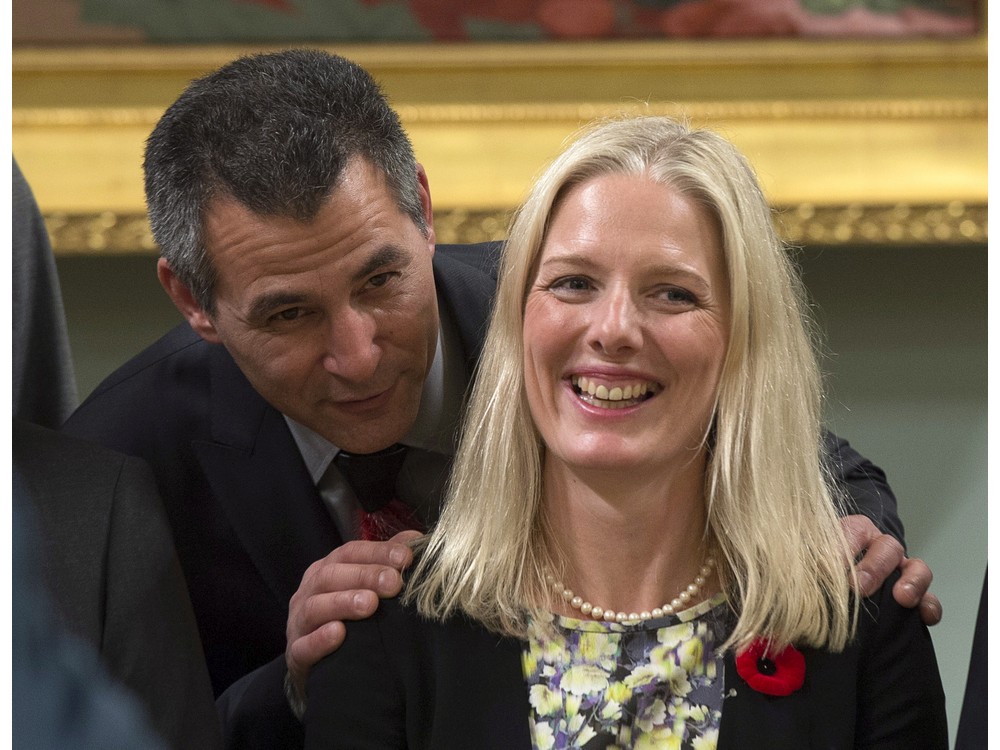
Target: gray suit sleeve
147	606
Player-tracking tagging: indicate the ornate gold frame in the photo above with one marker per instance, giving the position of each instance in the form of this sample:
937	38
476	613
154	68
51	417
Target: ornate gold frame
855	142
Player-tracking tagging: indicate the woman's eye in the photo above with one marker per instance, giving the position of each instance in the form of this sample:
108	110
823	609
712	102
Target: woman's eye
677	295
572	284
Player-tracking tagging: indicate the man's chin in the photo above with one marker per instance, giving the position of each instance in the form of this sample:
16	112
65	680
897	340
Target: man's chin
367	437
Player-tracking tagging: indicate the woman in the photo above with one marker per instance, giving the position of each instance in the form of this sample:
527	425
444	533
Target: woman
640	548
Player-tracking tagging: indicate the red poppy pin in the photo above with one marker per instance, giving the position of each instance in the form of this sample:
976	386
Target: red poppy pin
772	674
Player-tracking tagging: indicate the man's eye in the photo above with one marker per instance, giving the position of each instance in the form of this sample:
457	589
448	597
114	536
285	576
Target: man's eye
380	279
292	313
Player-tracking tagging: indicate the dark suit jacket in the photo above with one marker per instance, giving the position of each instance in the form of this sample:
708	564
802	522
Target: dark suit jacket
972	724
400	681
111	569
246	516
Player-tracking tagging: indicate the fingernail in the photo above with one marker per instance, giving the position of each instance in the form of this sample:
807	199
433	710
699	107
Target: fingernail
398	556
865	580
386	579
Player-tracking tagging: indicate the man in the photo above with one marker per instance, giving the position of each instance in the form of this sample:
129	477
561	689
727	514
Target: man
297	240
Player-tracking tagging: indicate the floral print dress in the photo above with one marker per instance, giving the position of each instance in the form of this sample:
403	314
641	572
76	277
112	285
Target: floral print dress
653	684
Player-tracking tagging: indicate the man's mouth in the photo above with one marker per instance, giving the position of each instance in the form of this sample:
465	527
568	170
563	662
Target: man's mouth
613	396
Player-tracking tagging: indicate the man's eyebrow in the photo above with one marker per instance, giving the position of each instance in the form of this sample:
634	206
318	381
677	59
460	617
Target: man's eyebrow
384	256
263	305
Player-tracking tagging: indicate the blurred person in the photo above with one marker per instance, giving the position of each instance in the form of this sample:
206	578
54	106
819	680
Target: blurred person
43	384
105	554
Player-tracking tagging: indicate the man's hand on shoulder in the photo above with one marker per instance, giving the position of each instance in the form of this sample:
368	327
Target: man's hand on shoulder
883	554
344	585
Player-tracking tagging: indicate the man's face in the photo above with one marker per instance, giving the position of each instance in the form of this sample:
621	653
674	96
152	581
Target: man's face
334	322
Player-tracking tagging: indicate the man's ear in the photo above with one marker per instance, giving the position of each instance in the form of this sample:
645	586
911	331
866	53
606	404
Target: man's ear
182	298
425	201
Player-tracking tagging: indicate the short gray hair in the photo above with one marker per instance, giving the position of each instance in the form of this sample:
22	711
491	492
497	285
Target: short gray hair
273	132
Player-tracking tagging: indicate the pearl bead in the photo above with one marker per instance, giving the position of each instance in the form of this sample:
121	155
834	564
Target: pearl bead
683	599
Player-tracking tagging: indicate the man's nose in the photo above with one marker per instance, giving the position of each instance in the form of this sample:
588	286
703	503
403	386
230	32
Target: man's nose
352	352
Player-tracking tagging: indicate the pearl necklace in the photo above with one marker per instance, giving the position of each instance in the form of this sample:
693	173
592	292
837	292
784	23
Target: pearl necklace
682	601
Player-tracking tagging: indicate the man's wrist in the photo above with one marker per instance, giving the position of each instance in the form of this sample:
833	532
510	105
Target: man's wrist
296	701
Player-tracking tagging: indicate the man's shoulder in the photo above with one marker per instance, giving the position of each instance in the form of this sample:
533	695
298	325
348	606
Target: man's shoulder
167	384
179	348
483	257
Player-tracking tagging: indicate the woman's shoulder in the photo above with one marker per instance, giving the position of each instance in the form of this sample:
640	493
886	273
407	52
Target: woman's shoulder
900	696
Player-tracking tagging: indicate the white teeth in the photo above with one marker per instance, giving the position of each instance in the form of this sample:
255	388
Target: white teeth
616	397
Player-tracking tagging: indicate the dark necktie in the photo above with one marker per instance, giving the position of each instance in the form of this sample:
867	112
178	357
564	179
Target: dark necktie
373	476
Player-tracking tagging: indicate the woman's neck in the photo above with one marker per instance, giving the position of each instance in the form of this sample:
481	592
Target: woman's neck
628	542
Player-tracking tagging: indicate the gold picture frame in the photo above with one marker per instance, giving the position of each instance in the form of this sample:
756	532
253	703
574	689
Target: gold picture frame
863	142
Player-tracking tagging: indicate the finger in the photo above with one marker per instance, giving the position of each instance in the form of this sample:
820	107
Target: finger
308	613
884	554
395	552
931	610
913	583
303	653
327	578
317	611
860	532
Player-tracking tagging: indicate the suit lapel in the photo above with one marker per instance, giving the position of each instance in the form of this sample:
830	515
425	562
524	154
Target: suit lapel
259	478
818	715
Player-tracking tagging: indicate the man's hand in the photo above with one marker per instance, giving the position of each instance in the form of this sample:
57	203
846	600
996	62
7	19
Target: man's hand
882	555
344	585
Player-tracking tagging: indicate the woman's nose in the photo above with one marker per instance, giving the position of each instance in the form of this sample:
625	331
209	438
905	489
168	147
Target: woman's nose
616	325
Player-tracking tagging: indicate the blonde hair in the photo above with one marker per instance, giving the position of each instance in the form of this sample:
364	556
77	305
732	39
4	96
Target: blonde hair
768	496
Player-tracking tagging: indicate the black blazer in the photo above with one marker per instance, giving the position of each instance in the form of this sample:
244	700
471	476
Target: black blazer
400	681
246	516
110	565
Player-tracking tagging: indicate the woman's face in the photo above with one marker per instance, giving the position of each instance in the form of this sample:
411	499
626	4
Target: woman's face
625	327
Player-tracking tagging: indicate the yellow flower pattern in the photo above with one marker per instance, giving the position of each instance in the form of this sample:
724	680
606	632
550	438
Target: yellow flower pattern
655	684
